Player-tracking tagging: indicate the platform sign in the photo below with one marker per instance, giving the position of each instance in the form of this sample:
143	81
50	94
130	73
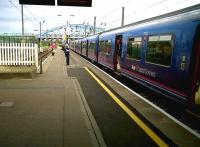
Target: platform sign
37	2
80	3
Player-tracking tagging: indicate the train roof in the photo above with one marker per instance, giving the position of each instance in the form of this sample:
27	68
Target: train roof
89	37
190	13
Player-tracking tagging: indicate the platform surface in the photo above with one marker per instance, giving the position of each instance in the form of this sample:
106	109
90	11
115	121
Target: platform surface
45	111
66	107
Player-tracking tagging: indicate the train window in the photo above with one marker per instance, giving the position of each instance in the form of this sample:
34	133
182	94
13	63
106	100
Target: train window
91	45
105	47
159	50
108	47
165	38
101	46
84	46
134	48
153	38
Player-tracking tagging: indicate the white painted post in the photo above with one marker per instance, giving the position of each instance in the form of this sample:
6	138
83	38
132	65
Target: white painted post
15	53
8	51
27	55
11	54
5	54
24	58
32	53
16	56
36	55
21	54
1	46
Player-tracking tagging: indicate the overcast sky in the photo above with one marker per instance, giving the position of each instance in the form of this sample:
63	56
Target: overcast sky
108	13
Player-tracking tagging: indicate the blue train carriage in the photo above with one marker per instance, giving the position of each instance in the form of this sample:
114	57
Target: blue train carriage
78	48
89	46
72	45
109	48
92	48
84	47
161	54
75	45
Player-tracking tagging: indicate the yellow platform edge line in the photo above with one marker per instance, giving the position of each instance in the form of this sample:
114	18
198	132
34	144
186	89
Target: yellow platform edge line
136	119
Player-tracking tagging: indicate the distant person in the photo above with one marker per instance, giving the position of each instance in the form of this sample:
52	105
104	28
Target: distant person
53	47
67	50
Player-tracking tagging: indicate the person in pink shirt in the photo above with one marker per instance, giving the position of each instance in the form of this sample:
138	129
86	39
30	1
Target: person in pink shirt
53	47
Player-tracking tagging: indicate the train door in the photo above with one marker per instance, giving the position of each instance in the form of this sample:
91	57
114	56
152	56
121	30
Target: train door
196	75
87	48
117	52
81	48
96	53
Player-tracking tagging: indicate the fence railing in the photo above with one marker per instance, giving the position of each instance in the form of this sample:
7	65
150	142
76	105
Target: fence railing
18	54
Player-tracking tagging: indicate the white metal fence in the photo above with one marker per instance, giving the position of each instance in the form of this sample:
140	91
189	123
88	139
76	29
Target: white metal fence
18	54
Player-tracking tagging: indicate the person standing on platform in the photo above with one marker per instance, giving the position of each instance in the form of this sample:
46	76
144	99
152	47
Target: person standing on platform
67	49
53	47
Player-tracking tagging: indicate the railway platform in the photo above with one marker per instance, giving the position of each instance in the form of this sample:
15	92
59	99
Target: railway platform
80	106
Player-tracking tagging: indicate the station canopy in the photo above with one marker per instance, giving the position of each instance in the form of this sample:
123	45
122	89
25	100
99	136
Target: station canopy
80	3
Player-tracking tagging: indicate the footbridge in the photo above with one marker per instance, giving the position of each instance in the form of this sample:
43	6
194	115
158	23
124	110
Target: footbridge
71	31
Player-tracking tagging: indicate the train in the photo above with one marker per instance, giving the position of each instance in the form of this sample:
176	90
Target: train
161	53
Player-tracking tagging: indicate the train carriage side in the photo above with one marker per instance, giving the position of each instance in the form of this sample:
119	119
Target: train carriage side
93	47
158	55
78	46
106	49
84	47
73	45
195	68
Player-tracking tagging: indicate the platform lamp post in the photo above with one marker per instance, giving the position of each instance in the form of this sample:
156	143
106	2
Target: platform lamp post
122	22
40	35
95	19
22	15
40	44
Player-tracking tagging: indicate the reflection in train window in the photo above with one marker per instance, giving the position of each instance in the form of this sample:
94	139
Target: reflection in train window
159	50
101	47
84	45
108	47
134	48
105	47
91	45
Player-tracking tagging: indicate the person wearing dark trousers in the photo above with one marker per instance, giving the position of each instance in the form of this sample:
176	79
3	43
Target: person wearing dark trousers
67	53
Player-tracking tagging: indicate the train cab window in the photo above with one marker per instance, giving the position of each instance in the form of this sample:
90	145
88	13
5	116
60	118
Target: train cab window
159	50
134	48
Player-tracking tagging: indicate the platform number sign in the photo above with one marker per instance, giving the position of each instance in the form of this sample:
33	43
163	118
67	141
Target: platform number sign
80	3
37	2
